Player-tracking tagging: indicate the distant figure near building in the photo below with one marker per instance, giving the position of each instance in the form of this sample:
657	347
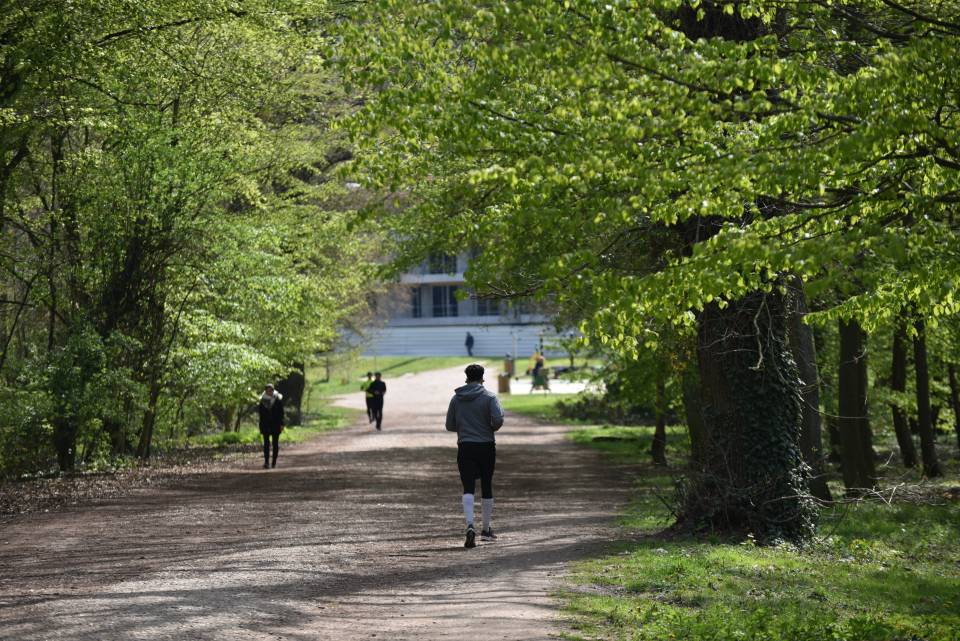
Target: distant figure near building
377	389
469	344
270	409
475	414
368	396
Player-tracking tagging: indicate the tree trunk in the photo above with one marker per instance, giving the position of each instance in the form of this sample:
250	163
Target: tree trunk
149	419
224	417
65	443
828	393
898	384
954	399
752	477
118	440
805	355
658	449
292	388
859	473
928	448
693	408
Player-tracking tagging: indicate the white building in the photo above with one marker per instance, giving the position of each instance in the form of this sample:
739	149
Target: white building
423	317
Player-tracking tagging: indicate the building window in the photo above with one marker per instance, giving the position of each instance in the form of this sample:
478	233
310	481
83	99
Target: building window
488	307
416	305
445	301
442	264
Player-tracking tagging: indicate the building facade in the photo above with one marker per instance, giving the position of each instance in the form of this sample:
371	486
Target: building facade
430	311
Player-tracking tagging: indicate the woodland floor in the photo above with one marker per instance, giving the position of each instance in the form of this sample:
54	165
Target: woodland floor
355	535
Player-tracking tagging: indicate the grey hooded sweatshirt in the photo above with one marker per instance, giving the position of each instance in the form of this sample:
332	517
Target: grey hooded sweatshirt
474	414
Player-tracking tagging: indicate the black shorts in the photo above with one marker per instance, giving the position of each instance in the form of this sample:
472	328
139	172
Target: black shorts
477	460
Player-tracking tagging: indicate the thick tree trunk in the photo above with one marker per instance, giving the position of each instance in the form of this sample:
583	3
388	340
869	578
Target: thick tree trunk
693	408
954	399
928	447
292	387
859	473
224	417
805	355
898	383
752	477
118	439
65	443
658	449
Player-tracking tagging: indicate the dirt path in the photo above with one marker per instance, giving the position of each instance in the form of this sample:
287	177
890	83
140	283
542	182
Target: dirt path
356	535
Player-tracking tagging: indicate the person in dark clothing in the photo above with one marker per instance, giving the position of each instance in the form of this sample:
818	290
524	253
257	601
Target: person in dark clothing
378	388
475	414
469	344
270	408
365	386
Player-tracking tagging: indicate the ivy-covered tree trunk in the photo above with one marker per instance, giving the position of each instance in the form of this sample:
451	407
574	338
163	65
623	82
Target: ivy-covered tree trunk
928	447
752	477
856	440
898	384
805	354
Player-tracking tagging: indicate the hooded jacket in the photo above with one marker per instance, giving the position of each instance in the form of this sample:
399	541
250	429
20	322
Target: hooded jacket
474	414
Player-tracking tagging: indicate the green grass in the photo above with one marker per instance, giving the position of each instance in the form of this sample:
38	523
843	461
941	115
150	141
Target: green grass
538	405
346	374
876	572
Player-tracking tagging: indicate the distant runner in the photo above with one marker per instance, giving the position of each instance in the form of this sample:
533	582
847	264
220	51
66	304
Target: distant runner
475	414
377	389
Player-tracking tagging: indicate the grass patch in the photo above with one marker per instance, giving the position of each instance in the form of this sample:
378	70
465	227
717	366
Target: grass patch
876	572
344	375
537	405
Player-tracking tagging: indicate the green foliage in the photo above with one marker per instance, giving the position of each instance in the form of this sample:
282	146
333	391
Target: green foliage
171	235
635	161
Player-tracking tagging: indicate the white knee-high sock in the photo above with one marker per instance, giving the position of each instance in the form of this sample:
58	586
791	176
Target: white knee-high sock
487	506
468	508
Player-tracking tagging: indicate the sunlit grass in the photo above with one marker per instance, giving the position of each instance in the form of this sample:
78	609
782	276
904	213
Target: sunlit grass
876	572
537	405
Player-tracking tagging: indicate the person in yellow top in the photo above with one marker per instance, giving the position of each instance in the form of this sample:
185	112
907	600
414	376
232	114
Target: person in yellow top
365	387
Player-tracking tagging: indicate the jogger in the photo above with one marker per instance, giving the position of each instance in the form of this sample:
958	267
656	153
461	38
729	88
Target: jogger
377	389
475	414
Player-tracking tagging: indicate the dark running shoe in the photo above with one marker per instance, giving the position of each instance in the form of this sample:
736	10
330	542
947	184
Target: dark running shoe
488	535
471	541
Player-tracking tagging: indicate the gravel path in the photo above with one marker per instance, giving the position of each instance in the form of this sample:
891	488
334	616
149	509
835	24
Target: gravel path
356	535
